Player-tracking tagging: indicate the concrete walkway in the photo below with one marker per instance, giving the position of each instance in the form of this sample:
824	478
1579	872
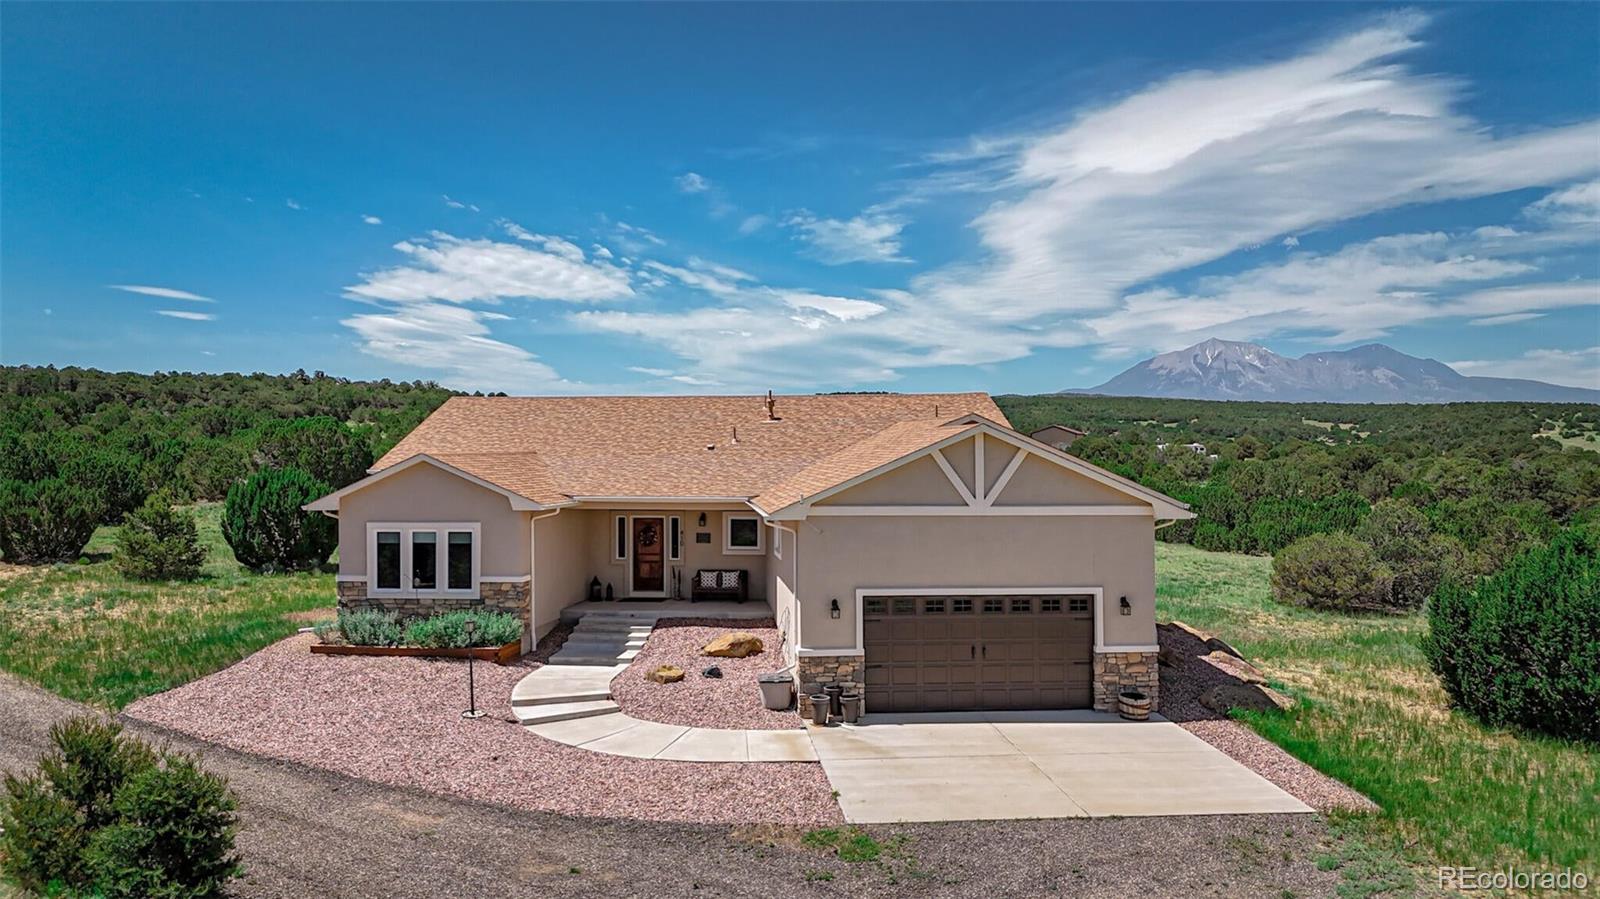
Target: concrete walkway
1069	764
569	701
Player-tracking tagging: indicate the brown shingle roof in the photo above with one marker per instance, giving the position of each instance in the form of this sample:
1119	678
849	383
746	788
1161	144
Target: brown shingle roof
550	448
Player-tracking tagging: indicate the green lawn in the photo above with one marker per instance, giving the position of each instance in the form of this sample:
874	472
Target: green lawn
1374	716
85	632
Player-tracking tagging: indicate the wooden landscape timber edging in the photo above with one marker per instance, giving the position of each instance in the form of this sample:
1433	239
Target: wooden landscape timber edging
500	655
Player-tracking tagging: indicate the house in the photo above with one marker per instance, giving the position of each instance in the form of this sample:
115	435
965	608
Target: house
913	545
1058	436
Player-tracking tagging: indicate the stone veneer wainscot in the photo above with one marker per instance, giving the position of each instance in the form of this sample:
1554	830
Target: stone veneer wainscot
824	671
1118	671
495	596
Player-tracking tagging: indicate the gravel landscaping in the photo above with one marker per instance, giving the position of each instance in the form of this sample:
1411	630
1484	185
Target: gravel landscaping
1181	686
732	701
397	721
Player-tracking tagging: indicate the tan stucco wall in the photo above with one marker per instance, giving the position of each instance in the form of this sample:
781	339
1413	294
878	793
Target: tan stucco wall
423	493
561	544
781	588
841	554
696	556
1038	482
918	483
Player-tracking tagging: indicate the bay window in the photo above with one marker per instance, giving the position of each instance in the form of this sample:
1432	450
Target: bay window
423	559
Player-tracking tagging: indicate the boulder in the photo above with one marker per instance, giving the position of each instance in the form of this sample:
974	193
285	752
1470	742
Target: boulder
1217	643
712	671
1168	656
1236	667
1224	698
666	674
736	645
1192	631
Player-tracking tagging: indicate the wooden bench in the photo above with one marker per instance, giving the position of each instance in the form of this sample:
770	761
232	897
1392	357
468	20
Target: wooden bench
720	583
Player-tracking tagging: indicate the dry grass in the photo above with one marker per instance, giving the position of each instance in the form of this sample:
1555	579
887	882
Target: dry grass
1374	716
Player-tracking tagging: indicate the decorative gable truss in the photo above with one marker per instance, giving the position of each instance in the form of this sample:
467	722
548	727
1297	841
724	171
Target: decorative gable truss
1099	491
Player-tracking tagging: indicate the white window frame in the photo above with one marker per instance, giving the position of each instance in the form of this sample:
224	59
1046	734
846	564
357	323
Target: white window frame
674	538
441	560
621	523
728	549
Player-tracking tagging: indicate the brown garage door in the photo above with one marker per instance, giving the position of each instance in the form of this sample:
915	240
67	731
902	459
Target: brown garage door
938	653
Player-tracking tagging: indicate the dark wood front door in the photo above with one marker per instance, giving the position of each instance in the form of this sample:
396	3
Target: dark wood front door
938	653
649	551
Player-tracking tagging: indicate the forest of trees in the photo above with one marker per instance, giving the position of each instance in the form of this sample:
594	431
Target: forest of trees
80	447
1466	484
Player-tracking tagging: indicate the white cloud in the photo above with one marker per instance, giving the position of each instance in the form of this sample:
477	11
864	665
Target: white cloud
1507	319
1573	368
869	237
634	239
167	293
1291	241
292	203
652	372
372	220
457	204
1209	163
187	316
754	223
557	245
692	183
842	308
454	340
457	270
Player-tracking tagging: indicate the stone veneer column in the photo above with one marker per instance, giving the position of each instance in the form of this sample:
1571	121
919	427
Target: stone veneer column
1118	671
823	671
496	596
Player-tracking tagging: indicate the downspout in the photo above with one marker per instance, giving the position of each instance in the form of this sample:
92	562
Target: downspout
533	558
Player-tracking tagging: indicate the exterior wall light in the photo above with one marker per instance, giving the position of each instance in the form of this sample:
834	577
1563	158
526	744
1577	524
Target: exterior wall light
702	519
1127	609
833	608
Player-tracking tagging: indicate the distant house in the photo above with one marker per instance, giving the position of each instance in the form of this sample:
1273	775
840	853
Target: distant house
1199	449
1058	436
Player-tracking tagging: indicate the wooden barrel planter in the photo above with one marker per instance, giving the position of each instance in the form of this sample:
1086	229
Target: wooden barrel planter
500	655
1133	705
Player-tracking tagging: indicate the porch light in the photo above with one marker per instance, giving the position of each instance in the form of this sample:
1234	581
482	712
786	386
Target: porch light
1127	609
702	519
471	627
833	608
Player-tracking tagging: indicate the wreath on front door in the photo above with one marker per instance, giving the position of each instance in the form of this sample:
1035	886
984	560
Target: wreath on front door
648	535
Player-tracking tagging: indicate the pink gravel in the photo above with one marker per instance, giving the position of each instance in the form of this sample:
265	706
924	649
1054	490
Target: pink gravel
732	701
397	721
1181	685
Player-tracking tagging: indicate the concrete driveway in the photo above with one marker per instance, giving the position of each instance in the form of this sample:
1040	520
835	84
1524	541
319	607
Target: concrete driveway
969	766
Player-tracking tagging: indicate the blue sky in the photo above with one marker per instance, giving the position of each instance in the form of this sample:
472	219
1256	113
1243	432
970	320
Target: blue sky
611	198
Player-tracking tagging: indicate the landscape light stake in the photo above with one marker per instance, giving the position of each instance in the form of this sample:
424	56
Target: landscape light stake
472	711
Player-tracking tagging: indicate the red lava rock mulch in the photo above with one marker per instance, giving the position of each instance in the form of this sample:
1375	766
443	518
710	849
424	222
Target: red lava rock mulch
1181	686
398	721
732	701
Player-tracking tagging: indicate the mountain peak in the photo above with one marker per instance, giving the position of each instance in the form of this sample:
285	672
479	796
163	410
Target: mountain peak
1218	369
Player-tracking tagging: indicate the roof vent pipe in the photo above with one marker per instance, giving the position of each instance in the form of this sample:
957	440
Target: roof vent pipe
736	434
772	405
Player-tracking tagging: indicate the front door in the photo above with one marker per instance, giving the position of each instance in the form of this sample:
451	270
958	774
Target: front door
649	554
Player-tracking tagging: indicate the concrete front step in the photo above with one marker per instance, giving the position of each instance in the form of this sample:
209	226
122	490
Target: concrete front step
600	642
559	698
563	711
594	658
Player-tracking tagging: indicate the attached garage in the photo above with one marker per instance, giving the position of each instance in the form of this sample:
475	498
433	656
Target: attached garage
981	650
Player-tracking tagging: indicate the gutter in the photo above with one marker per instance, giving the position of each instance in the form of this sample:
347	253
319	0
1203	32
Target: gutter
533	561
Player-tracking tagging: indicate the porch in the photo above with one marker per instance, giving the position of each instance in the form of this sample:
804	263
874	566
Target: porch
654	610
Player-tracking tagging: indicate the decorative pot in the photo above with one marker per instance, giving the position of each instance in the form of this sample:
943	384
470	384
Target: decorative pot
1133	705
819	709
